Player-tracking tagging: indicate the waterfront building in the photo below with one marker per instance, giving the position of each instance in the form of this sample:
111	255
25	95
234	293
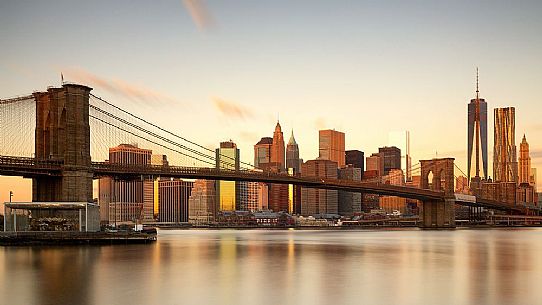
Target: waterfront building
202	207
356	158
477	137
173	200
349	202
262	152
278	197
227	157
401	139
150	200
249	196
263	197
292	155
319	201
505	166
123	201
331	146
391	157
393	203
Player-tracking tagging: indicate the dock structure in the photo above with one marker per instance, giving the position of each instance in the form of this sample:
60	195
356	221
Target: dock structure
74	238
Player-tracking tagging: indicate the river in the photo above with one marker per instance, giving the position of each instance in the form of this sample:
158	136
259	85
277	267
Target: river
496	266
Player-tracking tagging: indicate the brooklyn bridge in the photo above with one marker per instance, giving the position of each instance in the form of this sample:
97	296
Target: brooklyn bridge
59	138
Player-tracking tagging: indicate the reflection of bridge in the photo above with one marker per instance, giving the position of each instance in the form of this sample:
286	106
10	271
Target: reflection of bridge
70	123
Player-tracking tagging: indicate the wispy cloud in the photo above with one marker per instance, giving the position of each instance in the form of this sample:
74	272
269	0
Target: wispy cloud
199	13
116	86
536	154
248	136
320	123
232	109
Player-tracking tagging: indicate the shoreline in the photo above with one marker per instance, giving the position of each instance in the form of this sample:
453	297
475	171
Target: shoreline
34	238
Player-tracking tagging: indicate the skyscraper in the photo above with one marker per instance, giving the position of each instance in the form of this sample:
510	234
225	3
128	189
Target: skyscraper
202	202
356	158
532	178
293	166
227	157
391	157
524	162
173	200
278	193
477	136
292	155
319	201
331	143
375	164
401	139
349	202
505	166
123	200
262	152
277	148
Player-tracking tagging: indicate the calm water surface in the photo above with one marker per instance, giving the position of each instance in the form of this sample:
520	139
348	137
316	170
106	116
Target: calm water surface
284	267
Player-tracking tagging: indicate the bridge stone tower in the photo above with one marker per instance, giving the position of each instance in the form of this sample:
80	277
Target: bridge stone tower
63	134
438	214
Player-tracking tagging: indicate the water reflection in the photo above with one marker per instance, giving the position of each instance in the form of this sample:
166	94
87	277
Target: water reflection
284	267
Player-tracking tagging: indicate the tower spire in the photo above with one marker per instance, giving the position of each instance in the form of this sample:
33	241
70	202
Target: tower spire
477	92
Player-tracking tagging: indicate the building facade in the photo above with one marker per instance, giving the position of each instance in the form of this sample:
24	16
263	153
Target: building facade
391	157
319	201
349	202
401	139
262	151
331	146
356	158
202	205
124	201
524	161
477	157
173	200
462	185
227	157
375	164
277	148
292	155
505	166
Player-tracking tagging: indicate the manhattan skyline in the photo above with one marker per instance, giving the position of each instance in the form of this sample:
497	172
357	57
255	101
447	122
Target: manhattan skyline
321	66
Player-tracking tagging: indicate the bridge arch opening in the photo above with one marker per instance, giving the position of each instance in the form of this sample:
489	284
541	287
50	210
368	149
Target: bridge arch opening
438	175
429	179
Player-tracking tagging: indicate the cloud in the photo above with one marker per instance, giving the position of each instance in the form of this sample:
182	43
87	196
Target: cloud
115	86
199	13
248	136
320	123
536	154
231	109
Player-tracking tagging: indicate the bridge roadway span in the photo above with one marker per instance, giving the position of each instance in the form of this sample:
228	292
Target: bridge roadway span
31	167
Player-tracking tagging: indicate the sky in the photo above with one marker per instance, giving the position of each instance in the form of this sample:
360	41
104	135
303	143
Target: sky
219	70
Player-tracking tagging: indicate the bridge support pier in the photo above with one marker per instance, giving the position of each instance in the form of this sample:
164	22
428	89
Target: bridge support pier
437	214
63	135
